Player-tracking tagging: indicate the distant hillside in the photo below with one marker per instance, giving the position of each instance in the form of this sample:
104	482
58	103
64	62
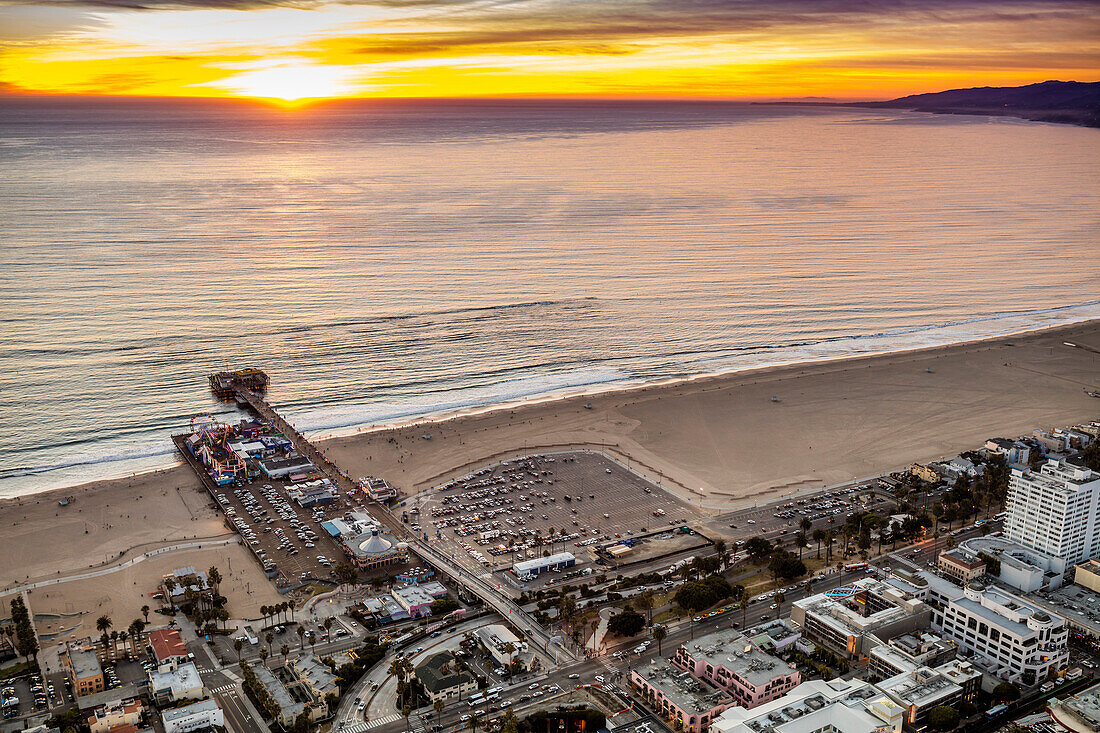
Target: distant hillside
1068	102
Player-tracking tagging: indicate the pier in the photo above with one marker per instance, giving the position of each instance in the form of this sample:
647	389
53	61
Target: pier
246	385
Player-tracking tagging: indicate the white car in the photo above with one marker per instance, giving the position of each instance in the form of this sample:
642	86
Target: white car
599	678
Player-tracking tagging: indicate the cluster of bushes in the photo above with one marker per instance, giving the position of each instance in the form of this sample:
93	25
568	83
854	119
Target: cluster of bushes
261	698
25	641
820	661
369	654
696	595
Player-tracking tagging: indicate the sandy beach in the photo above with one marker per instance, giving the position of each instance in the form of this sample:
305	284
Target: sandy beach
719	442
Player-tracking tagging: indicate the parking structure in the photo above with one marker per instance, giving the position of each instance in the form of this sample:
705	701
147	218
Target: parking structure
505	512
287	539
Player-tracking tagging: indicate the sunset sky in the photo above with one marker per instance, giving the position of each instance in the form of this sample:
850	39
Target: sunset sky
855	49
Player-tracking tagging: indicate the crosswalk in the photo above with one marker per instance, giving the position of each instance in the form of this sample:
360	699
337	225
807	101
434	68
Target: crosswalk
224	689
367	725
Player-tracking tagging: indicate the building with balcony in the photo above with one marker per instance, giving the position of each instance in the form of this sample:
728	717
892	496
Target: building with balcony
201	715
1054	510
728	660
919	690
958	567
114	714
179	683
908	652
1011	638
687	703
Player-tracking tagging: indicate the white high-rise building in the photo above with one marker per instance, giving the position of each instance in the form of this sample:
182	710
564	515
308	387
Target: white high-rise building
1054	511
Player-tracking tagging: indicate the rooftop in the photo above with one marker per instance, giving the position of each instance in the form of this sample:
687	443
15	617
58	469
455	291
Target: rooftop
202	706
438	673
731	649
1078	605
167	643
183	677
85	663
1081	712
898	604
845	706
290	707
691	695
920	687
320	677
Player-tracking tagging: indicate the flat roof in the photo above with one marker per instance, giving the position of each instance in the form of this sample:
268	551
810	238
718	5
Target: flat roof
202	706
183	677
540	562
1078	605
690	694
921	687
733	650
85	663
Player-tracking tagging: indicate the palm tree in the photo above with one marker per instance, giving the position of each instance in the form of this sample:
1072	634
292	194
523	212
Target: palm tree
328	624
806	525
265	611
285	649
800	542
659	634
301	632
473	722
263	656
170	585
102	624
779	598
312	642
645	602
406	711
268	638
829	545
438	706
819	537
145	613
720	552
122	636
509	648
238	644
214	577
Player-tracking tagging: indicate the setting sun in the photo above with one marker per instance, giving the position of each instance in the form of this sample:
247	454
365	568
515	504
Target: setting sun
289	80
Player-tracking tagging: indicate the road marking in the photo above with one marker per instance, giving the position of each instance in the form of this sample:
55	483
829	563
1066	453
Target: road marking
362	726
224	688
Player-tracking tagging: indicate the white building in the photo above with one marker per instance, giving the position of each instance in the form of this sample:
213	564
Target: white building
181	683
1011	638
836	706
202	714
1054	510
1021	567
920	690
530	568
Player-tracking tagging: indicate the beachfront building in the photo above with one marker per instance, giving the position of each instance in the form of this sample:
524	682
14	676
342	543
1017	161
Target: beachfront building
689	704
443	680
293	466
527	569
920	690
730	662
373	549
1014	451
1054	510
201	715
167	649
1010	637
115	714
817	706
377	489
850	621
83	668
175	584
177	683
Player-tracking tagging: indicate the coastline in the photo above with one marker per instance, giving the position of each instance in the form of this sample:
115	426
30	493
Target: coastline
717	441
566	395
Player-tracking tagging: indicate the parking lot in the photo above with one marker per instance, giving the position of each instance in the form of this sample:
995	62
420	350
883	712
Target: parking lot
546	503
822	509
287	538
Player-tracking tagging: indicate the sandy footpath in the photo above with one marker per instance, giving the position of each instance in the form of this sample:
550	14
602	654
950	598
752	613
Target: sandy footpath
719	442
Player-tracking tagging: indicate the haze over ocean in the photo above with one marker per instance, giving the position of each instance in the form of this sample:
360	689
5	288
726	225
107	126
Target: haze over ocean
387	260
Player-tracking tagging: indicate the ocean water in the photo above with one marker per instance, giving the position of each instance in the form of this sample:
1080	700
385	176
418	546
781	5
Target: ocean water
387	260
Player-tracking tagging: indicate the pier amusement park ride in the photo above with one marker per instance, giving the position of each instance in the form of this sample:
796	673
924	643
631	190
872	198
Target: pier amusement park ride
209	442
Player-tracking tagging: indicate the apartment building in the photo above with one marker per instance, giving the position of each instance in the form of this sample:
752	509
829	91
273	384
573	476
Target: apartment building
920	690
689	704
1054	510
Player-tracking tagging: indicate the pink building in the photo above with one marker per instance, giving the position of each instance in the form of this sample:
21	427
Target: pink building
688	704
729	661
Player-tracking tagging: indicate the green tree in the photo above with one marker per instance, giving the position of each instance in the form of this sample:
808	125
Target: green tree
758	548
943	717
819	537
1006	692
627	623
238	644
346	573
145	613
